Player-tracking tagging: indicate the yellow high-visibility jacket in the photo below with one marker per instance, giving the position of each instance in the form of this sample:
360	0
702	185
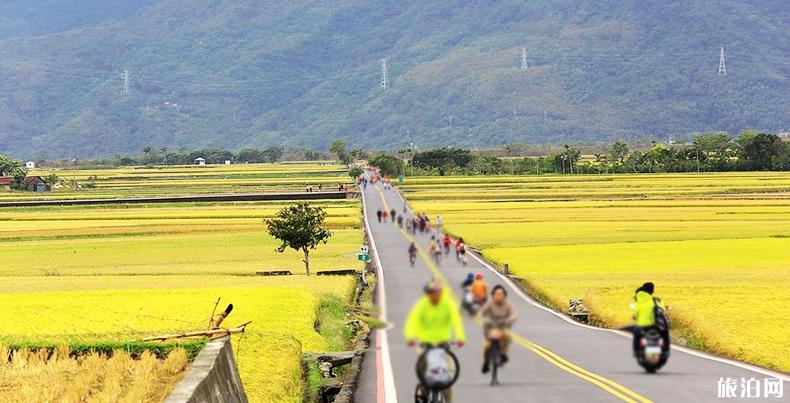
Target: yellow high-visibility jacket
644	309
434	324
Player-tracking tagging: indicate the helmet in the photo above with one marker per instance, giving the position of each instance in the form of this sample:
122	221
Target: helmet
479	276
432	286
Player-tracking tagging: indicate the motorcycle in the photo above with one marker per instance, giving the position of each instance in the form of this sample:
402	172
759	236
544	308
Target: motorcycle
651	354
469	303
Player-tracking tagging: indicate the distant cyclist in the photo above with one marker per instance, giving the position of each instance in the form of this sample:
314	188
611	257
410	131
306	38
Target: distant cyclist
458	243
446	242
479	289
412	254
434	321
498	313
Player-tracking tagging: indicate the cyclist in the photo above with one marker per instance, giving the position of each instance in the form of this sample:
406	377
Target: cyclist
412	254
458	243
446	242
433	321
479	289
462	255
499	314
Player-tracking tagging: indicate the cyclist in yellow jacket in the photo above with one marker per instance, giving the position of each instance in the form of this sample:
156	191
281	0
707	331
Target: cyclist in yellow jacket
434	319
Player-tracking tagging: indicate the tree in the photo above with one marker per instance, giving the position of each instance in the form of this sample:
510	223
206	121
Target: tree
388	164
15	169
52	179
146	153
759	152
339	148
299	227
163	150
718	148
619	152
355	172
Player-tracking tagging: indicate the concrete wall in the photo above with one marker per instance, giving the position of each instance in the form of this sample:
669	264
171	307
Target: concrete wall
213	377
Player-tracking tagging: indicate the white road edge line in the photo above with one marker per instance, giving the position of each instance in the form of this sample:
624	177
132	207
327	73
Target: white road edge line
390	394
696	353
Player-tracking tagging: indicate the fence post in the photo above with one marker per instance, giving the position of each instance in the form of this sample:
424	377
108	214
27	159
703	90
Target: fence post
506	269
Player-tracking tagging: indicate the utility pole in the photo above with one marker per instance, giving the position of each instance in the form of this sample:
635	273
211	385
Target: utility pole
722	66
126	82
524	64
385	82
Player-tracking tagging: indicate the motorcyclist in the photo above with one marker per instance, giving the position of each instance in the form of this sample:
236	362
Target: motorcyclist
644	313
434	320
497	313
479	289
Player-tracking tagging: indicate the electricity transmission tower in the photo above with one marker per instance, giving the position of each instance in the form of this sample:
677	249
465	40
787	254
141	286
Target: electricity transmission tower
385	82
722	66
126	82
524	64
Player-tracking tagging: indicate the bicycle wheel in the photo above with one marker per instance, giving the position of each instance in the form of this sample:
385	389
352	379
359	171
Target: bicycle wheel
494	359
453	368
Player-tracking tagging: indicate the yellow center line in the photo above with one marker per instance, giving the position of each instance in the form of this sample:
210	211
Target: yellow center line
553	358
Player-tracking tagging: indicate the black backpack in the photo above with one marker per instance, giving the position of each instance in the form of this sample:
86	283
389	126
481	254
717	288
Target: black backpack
661	318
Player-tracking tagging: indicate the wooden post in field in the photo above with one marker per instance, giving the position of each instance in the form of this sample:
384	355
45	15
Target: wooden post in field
506	269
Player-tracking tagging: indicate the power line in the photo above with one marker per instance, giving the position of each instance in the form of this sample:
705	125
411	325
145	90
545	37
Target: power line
524	65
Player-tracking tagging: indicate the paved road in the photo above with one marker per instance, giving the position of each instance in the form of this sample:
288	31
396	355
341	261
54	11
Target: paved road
553	359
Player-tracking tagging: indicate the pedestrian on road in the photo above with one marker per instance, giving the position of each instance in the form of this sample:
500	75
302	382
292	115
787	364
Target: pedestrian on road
439	223
393	214
458	243
414	226
400	221
446	242
378	214
384	215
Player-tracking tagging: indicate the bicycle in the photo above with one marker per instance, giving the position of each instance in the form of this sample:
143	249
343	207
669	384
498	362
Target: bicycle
437	370
494	353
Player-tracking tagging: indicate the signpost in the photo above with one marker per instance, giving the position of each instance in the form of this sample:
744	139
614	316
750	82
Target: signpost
364	257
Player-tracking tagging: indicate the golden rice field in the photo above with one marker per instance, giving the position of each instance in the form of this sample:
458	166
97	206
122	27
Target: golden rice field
282	311
186	180
124	272
716	245
37	377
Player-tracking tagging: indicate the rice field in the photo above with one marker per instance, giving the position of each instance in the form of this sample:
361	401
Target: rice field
35	376
716	245
107	183
125	272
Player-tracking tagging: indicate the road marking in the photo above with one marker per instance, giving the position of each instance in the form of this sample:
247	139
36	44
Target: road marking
551	357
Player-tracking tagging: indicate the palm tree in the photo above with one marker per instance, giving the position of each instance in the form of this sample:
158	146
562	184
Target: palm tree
146	152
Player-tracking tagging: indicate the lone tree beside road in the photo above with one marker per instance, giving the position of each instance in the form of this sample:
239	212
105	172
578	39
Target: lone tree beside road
299	227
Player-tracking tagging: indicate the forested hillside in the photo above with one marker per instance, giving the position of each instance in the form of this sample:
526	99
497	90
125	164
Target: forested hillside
235	73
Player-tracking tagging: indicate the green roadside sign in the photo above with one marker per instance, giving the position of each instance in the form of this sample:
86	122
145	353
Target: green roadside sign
363	257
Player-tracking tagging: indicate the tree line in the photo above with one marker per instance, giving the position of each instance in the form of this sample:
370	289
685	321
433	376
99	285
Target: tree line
712	152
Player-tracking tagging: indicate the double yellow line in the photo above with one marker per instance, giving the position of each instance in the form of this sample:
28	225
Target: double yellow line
551	357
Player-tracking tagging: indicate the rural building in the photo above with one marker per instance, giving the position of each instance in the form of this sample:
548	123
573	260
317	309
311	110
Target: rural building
36	184
5	182
200	161
30	165
227	162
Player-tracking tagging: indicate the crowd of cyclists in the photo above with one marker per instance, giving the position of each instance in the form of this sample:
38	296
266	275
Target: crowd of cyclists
435	323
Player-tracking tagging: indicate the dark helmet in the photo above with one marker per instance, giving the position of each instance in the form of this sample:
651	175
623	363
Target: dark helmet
648	287
432	286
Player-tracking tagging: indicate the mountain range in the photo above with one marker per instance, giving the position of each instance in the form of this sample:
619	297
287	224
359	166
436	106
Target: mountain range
238	73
